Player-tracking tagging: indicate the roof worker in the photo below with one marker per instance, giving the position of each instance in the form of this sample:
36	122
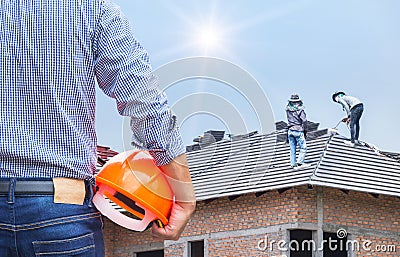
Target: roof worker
52	54
354	109
297	130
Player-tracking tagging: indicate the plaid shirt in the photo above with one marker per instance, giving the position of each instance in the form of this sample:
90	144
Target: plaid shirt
52	53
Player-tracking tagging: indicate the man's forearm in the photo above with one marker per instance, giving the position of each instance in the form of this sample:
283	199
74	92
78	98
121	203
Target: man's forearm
178	176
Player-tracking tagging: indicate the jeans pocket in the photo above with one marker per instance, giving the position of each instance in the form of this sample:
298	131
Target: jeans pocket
82	246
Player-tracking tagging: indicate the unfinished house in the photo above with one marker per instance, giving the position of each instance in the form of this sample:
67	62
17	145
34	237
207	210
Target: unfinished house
252	203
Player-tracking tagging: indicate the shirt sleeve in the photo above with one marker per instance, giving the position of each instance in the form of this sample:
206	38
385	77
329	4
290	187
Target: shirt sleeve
124	73
303	119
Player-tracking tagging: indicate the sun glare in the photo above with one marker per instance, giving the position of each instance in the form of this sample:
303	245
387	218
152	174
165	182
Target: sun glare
209	38
205	29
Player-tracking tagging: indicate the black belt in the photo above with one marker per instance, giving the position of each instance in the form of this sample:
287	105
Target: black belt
25	187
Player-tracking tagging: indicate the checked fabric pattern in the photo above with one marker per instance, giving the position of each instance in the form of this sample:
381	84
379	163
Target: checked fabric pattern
52	54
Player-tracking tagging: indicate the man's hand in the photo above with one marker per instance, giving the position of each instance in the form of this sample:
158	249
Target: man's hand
178	176
346	120
180	215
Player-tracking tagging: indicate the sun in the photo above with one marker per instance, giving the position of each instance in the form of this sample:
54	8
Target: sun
209	38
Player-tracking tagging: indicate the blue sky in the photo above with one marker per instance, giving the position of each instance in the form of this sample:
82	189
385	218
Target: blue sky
309	47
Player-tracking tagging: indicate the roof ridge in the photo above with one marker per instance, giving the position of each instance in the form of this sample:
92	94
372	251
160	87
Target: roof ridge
313	175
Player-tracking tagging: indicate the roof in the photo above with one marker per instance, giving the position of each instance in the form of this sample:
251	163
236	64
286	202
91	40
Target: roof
104	153
258	163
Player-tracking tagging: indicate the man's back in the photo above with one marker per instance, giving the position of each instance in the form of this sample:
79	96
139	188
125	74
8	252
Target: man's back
52	52
47	88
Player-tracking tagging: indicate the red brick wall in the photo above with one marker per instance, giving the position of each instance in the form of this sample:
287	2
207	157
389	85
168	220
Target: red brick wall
220	215
121	242
109	237
361	210
174	250
245	212
298	205
240	246
305	204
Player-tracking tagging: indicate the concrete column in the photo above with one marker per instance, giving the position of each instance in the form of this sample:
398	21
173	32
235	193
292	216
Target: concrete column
320	215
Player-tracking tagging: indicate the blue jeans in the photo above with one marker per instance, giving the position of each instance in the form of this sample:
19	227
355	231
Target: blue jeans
33	225
297	138
355	115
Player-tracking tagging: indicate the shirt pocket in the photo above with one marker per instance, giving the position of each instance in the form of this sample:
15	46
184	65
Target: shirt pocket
78	246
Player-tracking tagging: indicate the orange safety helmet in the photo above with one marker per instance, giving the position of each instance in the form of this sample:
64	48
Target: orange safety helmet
133	181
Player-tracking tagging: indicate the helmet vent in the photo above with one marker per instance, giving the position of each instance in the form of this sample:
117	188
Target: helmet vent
129	202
